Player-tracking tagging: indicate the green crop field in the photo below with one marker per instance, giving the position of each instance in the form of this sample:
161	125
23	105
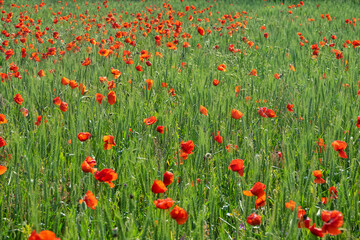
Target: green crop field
179	119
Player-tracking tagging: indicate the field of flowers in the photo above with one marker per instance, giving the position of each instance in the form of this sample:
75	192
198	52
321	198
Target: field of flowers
179	119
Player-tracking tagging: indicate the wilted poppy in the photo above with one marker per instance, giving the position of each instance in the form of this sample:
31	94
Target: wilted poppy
83	136
203	110
164	203
2	142
106	175
318	175
43	235
18	99
109	142
2	119
168	178
179	214
160	129
333	220
253	219
111	97
158	187
218	138
88	164
237	165
90	200
150	120
2	169
340	146
236	114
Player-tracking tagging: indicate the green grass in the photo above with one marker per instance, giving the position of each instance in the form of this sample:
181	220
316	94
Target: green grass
44	181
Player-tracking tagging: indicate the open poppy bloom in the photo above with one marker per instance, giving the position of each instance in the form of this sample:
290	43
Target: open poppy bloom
88	164
203	110
65	81
254	219
109	142
57	101
63	106
258	191
106	175
99	97
318	175
158	187
2	119
86	62
218	138
316	231
2	169
253	72
237	165
43	235
236	114
168	178
41	73
89	199
187	147
164	203
160	129
304	220
290	204
262	112
150	120
179	214
290	107
116	73
333	220
201	31
111	98
83	136
73	84
2	142
18	99
222	67
340	146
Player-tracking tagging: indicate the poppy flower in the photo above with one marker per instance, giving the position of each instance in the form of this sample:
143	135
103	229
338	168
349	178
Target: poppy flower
231	147
340	146
262	112
38	121
333	220
88	164
358	122
333	192
322	145
99	97
236	114
266	35
63	106
168	178
2	142
65	81
203	110
148	84
187	147
237	165
102	79
2	119
218	138
83	136
111	98
215	82
106	175
258	191
222	67
18	99
73	84
201	31
158	187
253	72
43	235
90	200
86	62
270	113
179	214
318	175
290	107
24	111
164	203
116	73
109	142
57	101
160	129
104	52
290	204
304	220
254	219
316	231
150	120
2	169
139	68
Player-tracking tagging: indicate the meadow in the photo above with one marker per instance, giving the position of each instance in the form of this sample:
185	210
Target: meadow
179	119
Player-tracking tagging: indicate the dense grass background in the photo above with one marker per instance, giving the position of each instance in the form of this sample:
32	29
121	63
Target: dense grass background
44	181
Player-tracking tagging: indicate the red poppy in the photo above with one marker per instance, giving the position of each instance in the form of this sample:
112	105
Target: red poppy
340	146
108	142
290	204
86	62
270	113
218	138
254	219
290	107
318	175
236	114
63	106
43	235
222	67
203	110
65	81
111	98
148	84
201	31
179	214
262	112
164	203
88	164
237	165
215	82
158	187
83	136
333	192
57	101
316	231
90	200
18	99
2	142
168	178
231	147
304	220
2	119
358	122
73	84
322	145
333	220
258	191
277	76
150	120
99	97
38	121
139	68
160	129
253	72
266	35
187	147
106	175
116	73
2	169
